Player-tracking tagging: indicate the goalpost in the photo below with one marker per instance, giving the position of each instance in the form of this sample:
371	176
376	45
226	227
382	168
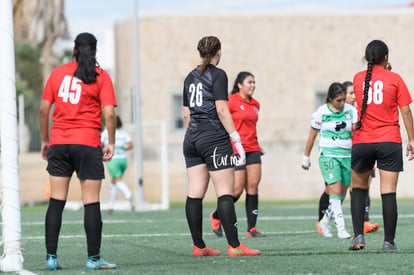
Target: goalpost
12	259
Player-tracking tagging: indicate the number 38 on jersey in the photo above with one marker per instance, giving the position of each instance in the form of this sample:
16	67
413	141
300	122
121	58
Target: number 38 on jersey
196	94
70	89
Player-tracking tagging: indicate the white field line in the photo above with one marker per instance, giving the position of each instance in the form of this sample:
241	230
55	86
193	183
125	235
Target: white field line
113	236
264	218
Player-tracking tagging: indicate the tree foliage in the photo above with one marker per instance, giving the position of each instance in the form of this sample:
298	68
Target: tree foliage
29	83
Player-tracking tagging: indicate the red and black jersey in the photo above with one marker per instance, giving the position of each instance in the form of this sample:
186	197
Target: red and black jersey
245	115
387	93
77	113
200	94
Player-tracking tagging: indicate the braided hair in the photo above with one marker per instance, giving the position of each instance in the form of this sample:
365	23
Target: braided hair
208	47
239	80
375	53
84	53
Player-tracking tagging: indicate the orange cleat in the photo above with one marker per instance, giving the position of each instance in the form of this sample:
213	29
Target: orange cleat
206	251
241	250
216	226
370	227
253	233
318	228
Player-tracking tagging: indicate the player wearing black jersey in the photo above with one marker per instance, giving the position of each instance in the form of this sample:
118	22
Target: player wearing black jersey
208	151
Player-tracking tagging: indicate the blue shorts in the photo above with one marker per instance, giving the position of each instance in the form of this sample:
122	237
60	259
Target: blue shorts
64	159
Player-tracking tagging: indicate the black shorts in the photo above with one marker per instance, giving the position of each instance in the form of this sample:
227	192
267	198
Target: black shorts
211	147
64	159
251	158
387	154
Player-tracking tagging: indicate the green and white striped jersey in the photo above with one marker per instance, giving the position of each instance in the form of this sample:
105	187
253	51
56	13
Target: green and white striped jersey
335	130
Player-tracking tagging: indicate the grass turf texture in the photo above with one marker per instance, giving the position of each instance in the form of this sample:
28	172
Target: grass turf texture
160	242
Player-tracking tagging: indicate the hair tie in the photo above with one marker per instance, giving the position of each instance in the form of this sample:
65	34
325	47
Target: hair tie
206	42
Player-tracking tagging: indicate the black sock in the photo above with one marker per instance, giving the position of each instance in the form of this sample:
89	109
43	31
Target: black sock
53	222
390	215
252	202
367	205
323	204
215	213
92	222
227	214
358	210
194	213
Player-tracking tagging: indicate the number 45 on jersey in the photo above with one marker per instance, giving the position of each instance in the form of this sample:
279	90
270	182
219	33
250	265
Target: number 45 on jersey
70	89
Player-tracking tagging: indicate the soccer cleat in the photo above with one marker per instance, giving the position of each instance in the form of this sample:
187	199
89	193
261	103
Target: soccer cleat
216	226
326	229
99	264
357	243
370	227
241	250
206	251
254	233
388	246
343	234
52	262
318	229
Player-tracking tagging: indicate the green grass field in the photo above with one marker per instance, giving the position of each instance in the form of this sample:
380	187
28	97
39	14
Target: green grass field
160	243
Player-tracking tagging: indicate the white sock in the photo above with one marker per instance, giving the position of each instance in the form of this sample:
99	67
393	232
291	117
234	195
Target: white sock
327	215
337	213
112	196
124	189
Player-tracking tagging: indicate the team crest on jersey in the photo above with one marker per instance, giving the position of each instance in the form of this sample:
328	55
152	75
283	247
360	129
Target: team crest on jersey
331	175
348	115
242	107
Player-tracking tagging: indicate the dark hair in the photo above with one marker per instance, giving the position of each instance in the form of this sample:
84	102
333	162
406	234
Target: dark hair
208	46
334	90
84	53
239	80
347	84
118	122
375	53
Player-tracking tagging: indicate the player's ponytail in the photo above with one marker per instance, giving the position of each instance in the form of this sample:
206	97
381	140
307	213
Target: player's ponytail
84	53
208	47
375	53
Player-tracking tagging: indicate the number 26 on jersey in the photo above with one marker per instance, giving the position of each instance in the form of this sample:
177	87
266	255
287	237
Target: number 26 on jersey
196	94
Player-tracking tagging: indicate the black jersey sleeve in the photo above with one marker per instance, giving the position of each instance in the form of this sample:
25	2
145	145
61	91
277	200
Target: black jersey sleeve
220	85
185	89
185	99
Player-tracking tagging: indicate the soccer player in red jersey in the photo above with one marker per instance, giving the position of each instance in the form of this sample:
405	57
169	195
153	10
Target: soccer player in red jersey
78	91
380	93
245	112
